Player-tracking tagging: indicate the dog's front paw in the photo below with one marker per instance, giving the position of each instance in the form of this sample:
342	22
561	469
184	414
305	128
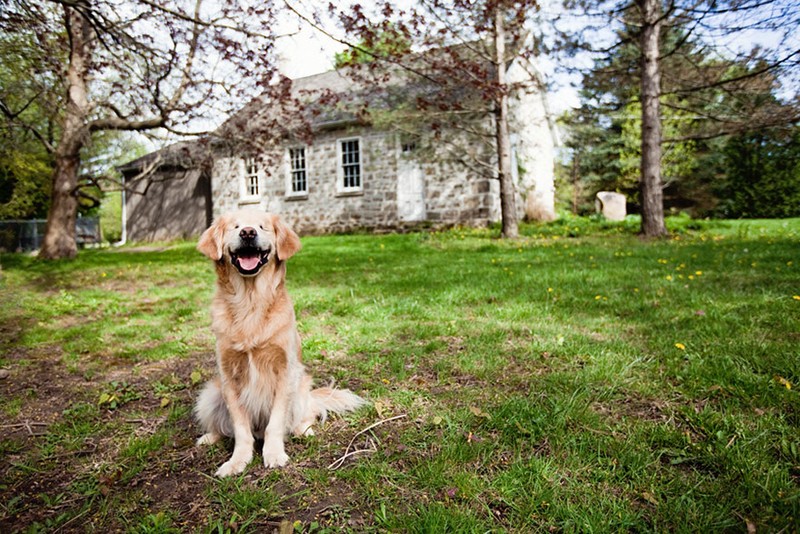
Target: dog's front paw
275	458
304	429
231	467
207	439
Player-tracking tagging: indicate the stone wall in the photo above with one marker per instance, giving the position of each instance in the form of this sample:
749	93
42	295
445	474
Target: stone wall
452	195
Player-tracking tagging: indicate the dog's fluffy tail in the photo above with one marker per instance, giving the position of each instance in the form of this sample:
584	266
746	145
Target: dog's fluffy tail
318	402
327	399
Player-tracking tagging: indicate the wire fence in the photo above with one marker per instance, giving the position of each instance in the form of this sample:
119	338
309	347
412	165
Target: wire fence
21	236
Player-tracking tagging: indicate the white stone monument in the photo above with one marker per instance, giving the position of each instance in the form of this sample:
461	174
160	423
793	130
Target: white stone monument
611	205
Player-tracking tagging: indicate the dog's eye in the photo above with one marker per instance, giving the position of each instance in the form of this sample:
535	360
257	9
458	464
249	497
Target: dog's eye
261	226
236	227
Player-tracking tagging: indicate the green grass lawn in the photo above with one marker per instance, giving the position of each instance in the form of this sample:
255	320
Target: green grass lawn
578	379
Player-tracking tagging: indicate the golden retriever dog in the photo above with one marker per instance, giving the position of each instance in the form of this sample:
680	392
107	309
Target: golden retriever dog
262	389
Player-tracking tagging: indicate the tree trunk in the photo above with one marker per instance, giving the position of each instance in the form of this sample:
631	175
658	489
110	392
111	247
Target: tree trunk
508	204
575	181
59	240
650	186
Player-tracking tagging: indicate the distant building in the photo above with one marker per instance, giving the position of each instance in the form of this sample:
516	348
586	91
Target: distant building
347	175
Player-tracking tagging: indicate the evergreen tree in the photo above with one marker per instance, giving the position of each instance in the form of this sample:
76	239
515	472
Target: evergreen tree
762	171
653	37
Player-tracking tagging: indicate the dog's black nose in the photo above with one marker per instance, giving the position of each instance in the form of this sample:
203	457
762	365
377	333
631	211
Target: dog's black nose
248	232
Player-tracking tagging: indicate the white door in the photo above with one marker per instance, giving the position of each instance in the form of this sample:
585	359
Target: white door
410	187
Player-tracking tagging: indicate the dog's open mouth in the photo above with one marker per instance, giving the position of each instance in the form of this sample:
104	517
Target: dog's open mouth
249	260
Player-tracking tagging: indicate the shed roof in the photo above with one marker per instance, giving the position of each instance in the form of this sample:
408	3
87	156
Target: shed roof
180	155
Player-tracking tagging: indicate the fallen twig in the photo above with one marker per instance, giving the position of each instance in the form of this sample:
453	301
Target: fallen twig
146	426
347	453
27	425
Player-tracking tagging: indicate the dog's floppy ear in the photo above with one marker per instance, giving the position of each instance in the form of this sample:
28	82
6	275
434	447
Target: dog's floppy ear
287	242
211	242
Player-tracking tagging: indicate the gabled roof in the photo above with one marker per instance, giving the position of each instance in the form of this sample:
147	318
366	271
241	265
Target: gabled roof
337	98
332	99
180	155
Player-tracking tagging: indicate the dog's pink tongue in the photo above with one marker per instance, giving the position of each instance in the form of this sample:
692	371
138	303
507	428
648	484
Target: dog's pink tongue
249	263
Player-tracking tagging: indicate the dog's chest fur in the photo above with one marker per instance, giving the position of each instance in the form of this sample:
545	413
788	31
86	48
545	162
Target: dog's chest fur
250	313
254	324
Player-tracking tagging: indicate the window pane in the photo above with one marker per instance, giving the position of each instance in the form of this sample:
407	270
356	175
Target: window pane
251	176
297	161
351	166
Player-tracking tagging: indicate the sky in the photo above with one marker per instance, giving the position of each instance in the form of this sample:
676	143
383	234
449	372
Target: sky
304	51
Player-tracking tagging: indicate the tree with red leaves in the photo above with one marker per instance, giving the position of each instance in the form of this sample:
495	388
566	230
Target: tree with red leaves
134	65
454	63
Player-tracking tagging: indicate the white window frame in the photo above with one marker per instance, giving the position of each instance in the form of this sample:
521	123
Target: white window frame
291	170
340	166
251	178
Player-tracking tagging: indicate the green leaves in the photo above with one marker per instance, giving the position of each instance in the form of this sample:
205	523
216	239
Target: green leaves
196	377
117	394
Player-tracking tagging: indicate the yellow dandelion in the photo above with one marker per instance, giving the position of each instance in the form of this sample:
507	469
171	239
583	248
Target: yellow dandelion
598	297
782	381
680	346
796	297
699	273
549	289
669	277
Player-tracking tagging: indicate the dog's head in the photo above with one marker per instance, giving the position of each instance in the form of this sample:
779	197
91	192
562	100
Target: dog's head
249	240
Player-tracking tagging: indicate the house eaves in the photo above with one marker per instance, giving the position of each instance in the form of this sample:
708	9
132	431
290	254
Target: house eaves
182	155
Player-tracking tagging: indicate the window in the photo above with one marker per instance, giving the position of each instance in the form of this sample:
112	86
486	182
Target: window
251	177
298	175
408	144
350	168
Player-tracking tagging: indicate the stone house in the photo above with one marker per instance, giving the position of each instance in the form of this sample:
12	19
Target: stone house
348	174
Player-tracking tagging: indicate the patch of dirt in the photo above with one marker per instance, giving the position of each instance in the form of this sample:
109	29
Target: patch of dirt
42	386
653	410
88	486
43	478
